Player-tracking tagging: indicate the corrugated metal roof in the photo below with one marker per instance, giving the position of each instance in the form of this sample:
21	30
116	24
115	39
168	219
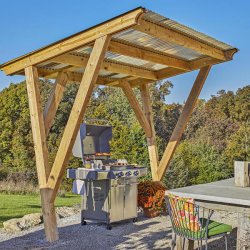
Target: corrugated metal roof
138	39
124	59
168	23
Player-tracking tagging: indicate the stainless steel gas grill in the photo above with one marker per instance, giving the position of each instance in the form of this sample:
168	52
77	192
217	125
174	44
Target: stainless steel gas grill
108	186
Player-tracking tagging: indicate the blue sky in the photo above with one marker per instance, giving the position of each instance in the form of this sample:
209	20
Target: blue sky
28	25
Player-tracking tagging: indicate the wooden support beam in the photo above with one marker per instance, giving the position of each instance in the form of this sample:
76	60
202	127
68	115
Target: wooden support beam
170	35
151	141
147	54
204	61
76	116
85	37
128	91
182	121
108	65
54	100
41	152
37	125
168	72
73	76
194	65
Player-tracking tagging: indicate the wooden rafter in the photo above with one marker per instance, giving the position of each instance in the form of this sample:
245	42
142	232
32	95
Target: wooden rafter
73	76
182	121
147	54
175	37
108	65
168	72
128	91
54	100
204	61
81	101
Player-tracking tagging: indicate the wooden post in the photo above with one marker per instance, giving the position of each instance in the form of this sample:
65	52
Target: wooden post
151	141
54	100
182	121
182	244
243	232
41	151
242	173
76	116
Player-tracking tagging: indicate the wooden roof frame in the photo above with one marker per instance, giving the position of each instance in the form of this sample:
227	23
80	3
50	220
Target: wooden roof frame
100	38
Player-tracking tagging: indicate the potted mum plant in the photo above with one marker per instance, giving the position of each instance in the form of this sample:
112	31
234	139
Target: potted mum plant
151	198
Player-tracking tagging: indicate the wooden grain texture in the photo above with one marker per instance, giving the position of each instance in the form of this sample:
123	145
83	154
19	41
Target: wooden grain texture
37	125
182	121
54	100
41	152
151	141
170	35
76	116
135	105
49	215
114	25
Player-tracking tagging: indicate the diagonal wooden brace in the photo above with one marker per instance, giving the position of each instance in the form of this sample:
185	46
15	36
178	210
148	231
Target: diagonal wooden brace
182	121
129	93
76	116
54	100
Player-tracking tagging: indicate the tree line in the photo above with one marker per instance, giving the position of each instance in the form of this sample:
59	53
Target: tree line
217	134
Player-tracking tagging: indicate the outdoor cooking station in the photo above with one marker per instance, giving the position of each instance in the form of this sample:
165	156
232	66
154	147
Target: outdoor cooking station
129	51
108	186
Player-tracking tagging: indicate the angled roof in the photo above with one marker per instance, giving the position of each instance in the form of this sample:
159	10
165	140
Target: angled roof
145	46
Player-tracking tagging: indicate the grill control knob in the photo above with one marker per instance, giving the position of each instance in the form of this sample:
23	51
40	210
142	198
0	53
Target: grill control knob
119	174
128	173
136	173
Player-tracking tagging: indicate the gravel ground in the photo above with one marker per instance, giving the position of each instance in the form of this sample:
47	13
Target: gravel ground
154	233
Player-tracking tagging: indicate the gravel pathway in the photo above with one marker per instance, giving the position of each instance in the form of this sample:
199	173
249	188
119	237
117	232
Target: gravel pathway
147	233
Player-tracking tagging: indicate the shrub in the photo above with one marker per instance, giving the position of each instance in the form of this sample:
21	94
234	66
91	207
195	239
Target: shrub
3	173
151	194
20	187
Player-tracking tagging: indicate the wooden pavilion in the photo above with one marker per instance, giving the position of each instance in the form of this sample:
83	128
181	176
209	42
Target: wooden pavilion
129	51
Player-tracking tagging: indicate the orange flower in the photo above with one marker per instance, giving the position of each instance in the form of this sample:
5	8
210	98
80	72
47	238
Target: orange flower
151	195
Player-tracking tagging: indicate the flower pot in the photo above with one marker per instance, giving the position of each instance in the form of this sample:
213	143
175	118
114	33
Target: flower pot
150	212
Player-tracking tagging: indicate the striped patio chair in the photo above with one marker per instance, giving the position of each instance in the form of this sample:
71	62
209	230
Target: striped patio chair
193	222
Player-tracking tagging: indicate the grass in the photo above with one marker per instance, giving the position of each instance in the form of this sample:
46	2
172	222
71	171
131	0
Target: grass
15	206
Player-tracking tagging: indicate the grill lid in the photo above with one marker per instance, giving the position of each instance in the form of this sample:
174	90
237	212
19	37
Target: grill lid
92	140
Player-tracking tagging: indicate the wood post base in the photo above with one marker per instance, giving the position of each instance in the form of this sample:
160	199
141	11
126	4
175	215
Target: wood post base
181	245
243	232
49	215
